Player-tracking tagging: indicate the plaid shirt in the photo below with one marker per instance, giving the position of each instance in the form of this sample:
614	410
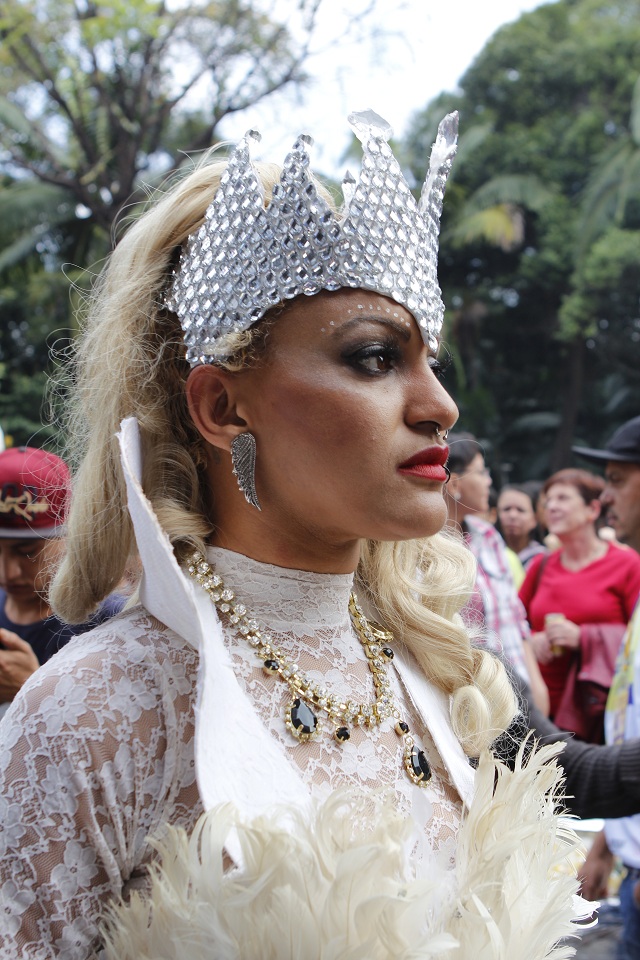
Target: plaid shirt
495	603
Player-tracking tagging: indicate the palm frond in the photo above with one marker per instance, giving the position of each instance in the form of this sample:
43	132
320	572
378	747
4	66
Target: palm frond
515	189
501	225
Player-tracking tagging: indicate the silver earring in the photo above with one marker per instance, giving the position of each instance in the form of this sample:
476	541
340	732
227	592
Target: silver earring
243	458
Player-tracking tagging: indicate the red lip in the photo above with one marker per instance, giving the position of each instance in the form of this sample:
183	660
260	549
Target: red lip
428	464
430	455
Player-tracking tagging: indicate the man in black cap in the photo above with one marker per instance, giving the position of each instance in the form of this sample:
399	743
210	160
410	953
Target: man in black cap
621	499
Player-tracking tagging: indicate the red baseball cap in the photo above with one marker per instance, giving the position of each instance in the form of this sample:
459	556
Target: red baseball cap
34	493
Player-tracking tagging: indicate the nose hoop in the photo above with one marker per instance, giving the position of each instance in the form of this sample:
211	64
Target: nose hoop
439	434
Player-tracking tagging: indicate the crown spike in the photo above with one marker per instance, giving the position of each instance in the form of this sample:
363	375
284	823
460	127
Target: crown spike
369	125
248	256
443	152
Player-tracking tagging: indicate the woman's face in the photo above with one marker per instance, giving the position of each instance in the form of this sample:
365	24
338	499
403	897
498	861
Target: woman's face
473	486
566	511
515	513
344	403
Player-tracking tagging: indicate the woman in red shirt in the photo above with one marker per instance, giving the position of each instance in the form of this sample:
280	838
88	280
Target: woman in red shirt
578	602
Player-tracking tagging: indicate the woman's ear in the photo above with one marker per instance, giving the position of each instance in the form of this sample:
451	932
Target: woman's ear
595	509
452	488
211	396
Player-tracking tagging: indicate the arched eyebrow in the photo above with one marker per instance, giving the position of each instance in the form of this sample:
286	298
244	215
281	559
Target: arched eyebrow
397	326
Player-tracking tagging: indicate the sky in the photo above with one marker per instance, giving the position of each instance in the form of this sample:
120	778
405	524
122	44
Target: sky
402	55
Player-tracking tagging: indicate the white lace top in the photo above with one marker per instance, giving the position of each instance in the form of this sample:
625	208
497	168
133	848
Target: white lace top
96	753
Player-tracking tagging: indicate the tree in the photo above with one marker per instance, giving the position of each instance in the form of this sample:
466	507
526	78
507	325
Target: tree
538	277
98	103
95	95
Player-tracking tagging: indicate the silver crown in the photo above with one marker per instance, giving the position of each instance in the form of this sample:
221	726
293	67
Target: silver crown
247	257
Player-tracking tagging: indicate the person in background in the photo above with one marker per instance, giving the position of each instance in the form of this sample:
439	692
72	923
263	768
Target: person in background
517	520
621	837
34	490
491	516
495	604
578	602
600	780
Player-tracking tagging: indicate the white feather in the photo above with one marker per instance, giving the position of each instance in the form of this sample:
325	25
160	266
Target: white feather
340	885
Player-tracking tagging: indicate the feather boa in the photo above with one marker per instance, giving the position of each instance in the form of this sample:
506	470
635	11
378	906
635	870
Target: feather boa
343	887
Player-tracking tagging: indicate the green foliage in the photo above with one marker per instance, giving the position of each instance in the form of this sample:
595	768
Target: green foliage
606	287
539	261
612	193
98	103
92	93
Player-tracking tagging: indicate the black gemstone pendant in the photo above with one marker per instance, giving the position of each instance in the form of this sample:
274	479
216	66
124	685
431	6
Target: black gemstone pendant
303	721
418	766
341	734
387	653
402	728
270	666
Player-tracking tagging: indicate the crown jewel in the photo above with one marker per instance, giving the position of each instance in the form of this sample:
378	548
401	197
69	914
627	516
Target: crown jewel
247	257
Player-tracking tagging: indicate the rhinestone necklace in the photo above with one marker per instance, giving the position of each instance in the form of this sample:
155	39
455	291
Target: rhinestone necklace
308	698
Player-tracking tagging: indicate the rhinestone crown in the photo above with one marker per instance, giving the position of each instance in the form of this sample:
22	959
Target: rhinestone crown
247	257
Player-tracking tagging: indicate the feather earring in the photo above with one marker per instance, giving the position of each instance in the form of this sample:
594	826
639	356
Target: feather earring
243	458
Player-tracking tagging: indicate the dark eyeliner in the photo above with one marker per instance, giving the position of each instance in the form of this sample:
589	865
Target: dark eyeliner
388	349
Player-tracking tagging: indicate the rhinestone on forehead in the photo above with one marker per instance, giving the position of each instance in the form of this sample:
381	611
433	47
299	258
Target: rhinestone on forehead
248	256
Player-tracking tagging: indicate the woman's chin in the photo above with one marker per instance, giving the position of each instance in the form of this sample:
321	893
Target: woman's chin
421	523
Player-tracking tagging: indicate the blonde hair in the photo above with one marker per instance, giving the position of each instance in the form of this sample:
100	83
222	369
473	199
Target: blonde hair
130	362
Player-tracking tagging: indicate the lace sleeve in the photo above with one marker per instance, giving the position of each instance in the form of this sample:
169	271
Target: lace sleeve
88	767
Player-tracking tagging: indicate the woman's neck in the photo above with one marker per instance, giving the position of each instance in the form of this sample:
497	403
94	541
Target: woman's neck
517	543
282	598
284	547
580	548
29	612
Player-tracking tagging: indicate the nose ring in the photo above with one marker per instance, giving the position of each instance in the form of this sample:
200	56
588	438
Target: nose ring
439	435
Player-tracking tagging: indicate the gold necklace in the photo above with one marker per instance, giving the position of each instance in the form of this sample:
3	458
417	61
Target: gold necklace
309	698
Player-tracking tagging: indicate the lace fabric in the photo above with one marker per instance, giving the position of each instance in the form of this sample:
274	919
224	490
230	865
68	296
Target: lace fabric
97	752
308	613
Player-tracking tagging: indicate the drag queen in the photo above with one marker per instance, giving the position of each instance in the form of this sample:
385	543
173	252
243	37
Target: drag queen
272	753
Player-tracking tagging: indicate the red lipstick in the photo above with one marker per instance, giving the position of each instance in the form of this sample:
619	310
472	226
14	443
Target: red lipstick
428	464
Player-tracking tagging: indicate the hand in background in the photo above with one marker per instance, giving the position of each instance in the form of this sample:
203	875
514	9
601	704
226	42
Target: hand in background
596	869
563	633
17	663
541	646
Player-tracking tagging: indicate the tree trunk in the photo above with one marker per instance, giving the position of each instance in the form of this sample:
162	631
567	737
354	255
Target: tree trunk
561	453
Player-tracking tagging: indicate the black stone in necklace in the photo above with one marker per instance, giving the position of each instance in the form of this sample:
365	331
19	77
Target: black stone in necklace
308	698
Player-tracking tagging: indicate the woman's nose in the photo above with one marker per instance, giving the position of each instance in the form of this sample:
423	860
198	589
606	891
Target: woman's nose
428	401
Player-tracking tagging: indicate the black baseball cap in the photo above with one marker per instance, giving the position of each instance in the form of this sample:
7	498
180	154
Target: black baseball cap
624	446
